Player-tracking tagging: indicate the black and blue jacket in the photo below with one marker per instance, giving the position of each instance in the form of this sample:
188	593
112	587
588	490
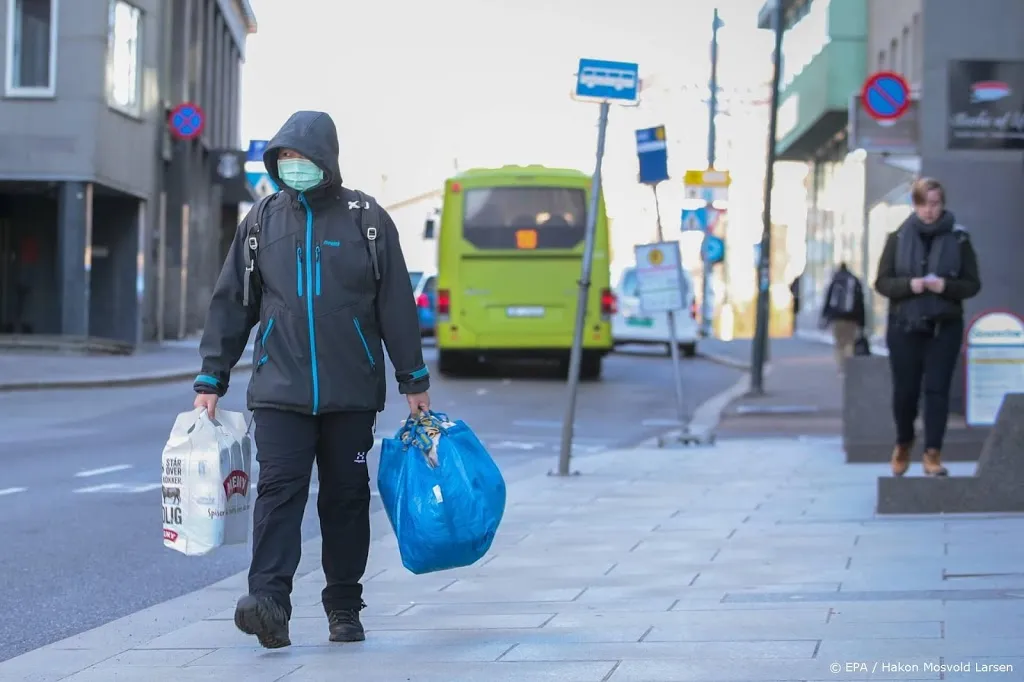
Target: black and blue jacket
322	313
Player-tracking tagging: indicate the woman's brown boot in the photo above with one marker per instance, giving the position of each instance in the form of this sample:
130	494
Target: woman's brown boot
932	463
901	459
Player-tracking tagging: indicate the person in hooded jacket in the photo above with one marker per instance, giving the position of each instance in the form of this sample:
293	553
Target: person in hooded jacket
927	269
844	311
318	381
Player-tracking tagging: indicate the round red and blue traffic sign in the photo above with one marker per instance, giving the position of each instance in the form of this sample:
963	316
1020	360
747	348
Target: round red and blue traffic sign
187	121
885	96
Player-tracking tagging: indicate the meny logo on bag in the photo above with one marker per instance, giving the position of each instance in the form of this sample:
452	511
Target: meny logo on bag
237	483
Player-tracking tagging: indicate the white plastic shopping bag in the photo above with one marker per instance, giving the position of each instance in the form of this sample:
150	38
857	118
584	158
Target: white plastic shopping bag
205	482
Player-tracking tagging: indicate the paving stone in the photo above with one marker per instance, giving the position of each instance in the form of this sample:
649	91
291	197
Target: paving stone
374	651
463	672
660	650
158	658
919	650
792	670
259	672
739	620
709	632
635	605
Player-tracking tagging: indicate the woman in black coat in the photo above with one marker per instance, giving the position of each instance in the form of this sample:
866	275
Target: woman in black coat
927	269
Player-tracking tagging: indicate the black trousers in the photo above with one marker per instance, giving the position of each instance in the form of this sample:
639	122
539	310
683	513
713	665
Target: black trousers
287	443
928	358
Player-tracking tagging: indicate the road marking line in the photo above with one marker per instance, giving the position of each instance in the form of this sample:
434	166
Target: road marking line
12	491
145	488
100	488
541	423
103	470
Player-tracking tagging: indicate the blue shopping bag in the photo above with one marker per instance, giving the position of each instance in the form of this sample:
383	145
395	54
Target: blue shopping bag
442	492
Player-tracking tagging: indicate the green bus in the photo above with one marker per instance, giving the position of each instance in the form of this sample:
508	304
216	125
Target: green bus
510	249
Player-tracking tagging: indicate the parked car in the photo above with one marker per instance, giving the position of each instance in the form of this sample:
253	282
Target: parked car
631	326
424	288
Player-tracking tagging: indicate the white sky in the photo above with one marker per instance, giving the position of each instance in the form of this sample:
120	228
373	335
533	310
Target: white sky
414	85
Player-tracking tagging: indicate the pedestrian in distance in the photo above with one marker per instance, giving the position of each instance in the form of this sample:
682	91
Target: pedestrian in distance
319	268
843	311
927	269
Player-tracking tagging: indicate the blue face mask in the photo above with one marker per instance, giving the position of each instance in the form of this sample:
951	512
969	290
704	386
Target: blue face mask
299	174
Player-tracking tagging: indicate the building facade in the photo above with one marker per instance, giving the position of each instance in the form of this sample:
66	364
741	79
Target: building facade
110	226
964	63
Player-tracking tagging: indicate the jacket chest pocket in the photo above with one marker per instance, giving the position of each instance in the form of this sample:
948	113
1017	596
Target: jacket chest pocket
341	273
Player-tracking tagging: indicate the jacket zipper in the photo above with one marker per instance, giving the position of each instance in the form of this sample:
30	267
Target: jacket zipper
309	304
366	346
317	269
298	270
263	344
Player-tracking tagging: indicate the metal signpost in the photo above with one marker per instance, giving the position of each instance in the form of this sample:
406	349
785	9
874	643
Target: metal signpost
759	350
707	186
186	121
603	82
994	360
652	154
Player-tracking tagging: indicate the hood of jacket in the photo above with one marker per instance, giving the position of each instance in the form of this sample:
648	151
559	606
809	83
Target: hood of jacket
312	134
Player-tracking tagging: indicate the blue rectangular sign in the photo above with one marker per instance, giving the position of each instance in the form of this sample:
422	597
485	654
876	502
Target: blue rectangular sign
256	148
597	79
652	151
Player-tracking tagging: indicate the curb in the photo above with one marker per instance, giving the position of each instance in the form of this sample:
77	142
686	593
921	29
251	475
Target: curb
724	360
708	415
115	382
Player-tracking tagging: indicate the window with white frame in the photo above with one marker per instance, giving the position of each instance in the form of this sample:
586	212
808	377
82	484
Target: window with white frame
124	57
31	48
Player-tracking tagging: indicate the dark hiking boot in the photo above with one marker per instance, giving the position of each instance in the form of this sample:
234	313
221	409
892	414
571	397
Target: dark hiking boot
345	626
265	618
900	459
932	463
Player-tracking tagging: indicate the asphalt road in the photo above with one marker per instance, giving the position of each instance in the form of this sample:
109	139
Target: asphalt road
80	538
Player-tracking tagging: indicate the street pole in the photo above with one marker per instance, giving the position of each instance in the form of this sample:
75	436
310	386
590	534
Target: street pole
673	340
707	307
760	347
576	356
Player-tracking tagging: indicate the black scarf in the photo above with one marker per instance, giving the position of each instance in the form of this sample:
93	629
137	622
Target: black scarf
923	249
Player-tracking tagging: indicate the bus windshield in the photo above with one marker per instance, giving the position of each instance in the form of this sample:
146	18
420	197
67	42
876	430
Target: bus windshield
492	217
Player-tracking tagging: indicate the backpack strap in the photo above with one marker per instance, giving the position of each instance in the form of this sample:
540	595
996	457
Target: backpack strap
252	243
366	207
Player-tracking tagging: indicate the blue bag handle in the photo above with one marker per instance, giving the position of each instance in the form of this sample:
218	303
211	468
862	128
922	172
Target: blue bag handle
413	432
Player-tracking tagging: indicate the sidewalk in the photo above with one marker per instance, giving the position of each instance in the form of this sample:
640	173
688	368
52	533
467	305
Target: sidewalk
751	560
803	394
152	363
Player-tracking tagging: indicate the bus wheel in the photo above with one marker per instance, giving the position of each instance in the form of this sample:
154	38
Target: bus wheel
450	363
590	367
